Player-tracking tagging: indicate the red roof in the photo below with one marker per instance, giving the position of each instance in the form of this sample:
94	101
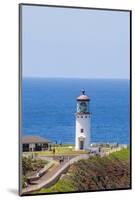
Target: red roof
83	96
34	139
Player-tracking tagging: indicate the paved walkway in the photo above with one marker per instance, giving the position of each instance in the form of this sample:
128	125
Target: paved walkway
50	173
53	174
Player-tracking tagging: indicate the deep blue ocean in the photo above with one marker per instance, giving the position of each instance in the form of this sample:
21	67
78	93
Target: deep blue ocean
49	106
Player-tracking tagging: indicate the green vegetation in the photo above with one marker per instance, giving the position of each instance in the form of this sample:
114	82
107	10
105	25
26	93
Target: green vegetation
63	145
124	154
67	150
95	173
61	186
24	181
30	166
60	150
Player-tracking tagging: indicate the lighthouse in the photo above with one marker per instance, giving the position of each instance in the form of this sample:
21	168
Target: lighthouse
83	122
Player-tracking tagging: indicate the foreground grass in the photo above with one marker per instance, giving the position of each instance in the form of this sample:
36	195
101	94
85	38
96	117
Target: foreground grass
112	172
124	154
62	150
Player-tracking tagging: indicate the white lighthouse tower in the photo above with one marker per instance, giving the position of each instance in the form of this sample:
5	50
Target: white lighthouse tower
83	122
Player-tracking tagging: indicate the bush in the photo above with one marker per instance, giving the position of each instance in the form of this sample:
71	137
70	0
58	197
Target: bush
26	165
29	165
24	181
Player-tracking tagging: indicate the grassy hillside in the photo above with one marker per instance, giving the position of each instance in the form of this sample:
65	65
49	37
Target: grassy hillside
112	172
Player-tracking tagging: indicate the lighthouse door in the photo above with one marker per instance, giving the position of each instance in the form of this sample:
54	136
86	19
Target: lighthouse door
81	144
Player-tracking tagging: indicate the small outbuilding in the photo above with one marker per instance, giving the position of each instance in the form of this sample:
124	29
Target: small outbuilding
34	143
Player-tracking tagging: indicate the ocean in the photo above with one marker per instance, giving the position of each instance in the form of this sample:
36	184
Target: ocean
49	106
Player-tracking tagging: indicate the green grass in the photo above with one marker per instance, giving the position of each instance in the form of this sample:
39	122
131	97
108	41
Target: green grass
60	186
124	154
63	145
61	150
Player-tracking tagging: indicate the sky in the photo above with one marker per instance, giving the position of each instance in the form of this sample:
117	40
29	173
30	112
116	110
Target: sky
75	43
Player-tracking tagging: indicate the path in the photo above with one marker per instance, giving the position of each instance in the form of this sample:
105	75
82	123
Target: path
52	175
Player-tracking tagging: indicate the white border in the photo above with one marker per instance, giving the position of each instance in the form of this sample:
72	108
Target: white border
9	98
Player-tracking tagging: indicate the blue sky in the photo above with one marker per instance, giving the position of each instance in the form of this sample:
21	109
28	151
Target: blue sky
80	43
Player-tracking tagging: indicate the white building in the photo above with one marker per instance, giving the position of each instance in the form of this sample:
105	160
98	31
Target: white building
83	122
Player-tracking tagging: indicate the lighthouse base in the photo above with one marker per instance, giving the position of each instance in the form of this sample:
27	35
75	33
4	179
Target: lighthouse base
81	144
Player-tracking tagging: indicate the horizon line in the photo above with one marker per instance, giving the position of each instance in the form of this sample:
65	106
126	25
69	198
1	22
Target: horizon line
42	77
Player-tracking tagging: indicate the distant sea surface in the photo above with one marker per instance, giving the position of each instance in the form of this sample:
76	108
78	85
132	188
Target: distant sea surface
49	106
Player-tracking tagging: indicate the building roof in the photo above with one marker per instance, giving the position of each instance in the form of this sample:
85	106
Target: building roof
34	139
83	97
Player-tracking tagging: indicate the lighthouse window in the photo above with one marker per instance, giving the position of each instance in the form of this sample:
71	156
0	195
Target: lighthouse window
81	116
85	116
82	130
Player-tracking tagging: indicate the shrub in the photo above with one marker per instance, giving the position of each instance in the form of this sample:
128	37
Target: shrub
29	165
24	181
